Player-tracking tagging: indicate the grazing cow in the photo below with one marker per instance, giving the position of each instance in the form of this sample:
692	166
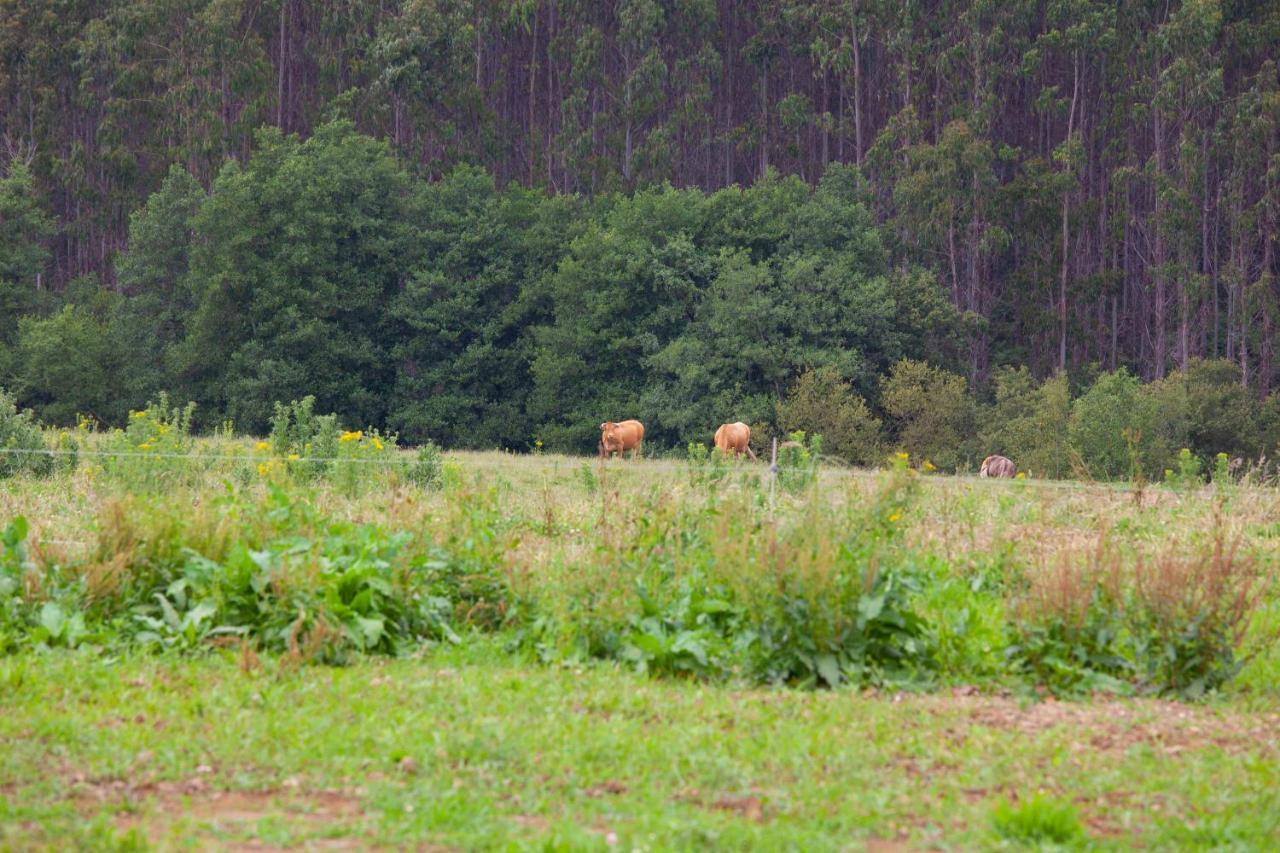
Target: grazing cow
620	437
998	466
734	437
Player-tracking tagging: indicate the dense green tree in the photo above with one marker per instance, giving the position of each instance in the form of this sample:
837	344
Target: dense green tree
1028	422
931	414
71	365
1114	429
1206	409
297	255
625	289
462	350
820	403
24	226
153	275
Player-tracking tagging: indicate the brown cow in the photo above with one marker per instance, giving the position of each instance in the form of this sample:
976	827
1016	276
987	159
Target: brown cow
734	437
998	466
620	437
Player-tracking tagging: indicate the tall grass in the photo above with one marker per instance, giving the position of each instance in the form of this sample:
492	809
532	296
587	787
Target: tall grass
676	569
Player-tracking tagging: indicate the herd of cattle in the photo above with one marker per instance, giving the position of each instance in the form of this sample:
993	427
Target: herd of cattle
621	436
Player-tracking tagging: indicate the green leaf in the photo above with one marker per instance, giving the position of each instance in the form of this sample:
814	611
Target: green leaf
371	629
828	669
52	619
870	607
16	532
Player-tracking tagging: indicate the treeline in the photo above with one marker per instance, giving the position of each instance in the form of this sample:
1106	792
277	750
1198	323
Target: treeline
1090	181
477	317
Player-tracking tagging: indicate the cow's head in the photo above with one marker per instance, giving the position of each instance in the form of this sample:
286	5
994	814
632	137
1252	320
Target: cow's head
609	440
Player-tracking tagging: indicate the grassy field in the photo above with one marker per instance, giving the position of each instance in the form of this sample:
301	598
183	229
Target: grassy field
229	649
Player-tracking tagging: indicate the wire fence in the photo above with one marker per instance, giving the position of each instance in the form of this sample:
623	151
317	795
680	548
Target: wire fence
825	468
821	468
226	457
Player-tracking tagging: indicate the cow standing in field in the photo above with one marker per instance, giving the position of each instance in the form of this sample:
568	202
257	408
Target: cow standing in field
735	437
620	437
998	466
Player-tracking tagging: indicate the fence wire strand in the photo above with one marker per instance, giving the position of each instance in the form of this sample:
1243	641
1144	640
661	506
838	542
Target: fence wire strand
824	471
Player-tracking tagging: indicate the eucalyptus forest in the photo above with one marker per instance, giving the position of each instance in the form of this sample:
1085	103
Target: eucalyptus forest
499	223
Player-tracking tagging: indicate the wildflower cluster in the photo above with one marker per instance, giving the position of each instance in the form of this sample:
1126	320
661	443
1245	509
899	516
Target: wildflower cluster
310	445
159	428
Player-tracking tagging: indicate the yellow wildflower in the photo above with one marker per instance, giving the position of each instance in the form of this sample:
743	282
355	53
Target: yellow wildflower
929	466
353	435
377	445
262	445
904	456
1022	475
293	457
144	446
264	468
893	518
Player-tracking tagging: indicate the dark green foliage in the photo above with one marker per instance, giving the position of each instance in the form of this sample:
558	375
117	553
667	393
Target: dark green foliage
1206	409
866	633
1113	420
299	252
691	636
932	414
820	403
1028	423
152	319
24	226
461	323
1050	185
71	363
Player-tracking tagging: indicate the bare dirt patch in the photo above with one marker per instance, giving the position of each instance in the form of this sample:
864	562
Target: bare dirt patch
1117	725
154	807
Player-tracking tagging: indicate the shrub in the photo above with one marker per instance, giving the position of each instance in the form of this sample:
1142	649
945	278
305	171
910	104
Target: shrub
314	445
160	428
692	635
1166	624
1190	616
426	471
22	445
1188	474
1113	405
1207	409
707	468
798	461
358	453
821	402
1028	423
297	431
1068	625
832	610
932	414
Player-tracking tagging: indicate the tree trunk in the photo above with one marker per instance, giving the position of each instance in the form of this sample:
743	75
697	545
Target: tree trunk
857	96
1066	236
